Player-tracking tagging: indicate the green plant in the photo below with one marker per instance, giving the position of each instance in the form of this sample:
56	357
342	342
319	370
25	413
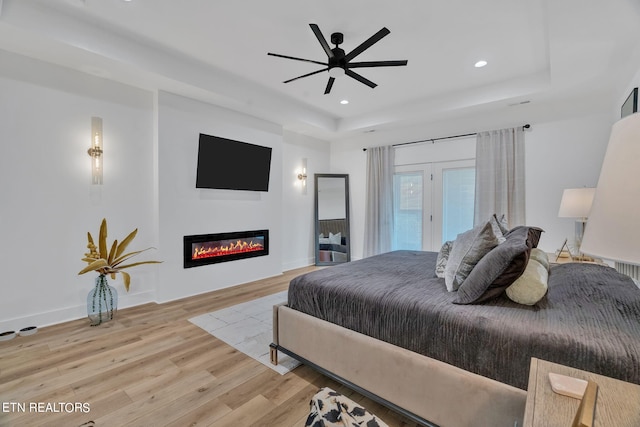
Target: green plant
111	262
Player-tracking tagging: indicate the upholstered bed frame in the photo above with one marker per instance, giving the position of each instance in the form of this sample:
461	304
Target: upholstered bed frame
426	390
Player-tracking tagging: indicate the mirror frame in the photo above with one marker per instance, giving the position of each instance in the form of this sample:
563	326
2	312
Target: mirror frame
317	220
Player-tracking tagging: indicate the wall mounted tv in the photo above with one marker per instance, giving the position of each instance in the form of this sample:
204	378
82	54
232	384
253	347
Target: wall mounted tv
232	165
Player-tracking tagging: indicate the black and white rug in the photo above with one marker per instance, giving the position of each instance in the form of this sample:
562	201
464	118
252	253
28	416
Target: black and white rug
248	328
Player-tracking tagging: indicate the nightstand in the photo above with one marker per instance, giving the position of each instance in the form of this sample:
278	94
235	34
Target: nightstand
617	404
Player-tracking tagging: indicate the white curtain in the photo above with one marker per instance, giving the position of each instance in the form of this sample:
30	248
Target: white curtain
500	176
378	222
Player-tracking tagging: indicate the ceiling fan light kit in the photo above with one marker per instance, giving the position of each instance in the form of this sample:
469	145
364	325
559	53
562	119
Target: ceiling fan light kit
339	63
336	72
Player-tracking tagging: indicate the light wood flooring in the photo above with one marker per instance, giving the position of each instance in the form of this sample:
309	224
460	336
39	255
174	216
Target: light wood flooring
151	367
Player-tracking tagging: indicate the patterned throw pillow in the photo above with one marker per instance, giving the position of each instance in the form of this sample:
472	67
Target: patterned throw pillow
331	409
443	257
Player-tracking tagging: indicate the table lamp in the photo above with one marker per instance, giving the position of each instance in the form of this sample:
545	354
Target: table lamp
576	203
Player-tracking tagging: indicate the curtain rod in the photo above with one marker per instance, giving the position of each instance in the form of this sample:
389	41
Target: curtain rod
433	140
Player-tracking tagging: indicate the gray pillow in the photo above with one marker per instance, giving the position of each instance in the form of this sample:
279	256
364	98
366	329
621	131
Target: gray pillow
443	257
498	269
502	223
497	228
468	248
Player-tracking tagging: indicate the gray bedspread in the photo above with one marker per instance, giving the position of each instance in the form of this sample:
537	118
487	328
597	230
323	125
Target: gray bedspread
590	318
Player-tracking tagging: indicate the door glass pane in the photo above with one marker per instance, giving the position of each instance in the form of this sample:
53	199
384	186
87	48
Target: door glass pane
458	189
407	205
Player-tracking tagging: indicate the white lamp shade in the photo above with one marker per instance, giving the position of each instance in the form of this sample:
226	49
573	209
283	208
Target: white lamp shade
576	202
614	222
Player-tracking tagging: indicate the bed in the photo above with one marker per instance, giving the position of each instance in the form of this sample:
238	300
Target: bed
387	326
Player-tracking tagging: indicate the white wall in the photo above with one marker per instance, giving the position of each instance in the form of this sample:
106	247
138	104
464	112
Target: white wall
186	210
47	204
635	82
563	154
347	157
559	155
298	208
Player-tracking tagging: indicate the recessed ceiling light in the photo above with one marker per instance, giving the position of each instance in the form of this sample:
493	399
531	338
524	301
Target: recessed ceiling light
480	63
344	102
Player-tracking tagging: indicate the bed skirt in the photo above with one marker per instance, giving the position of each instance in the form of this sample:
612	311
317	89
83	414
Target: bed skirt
424	389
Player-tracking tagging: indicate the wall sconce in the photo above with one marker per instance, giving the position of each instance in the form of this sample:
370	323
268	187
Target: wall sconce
96	151
302	176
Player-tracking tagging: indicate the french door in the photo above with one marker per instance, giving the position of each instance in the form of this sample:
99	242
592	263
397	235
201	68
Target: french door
433	203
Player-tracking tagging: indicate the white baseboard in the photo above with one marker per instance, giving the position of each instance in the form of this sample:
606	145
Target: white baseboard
69	313
292	265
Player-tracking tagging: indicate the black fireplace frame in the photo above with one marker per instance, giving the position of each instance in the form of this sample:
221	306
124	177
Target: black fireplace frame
188	241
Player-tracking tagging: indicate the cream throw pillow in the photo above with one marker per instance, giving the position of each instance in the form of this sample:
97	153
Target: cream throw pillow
468	248
532	286
540	256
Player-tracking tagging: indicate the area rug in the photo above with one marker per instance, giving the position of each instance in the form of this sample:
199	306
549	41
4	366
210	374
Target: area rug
248	328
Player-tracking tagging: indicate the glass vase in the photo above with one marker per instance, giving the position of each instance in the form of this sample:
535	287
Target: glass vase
102	301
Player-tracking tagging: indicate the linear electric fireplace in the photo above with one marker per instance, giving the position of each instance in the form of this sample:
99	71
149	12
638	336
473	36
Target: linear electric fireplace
203	249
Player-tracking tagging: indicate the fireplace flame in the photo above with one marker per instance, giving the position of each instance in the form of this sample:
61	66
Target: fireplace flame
240	246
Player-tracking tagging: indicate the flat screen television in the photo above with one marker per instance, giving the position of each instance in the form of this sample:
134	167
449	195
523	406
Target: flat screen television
232	165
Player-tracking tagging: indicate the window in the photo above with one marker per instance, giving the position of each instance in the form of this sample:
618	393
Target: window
433	203
407	203
458	189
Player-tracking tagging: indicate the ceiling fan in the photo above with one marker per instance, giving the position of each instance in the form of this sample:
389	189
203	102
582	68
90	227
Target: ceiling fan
339	63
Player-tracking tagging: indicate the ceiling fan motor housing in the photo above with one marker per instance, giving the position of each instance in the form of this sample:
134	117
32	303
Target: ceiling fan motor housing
338	58
337	38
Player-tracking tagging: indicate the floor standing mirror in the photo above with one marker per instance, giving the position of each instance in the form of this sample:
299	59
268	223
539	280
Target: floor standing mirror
332	219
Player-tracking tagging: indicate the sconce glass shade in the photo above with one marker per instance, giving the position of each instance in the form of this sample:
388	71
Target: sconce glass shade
302	176
96	151
613	232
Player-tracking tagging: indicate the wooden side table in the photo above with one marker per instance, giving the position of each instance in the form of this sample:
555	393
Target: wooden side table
617	404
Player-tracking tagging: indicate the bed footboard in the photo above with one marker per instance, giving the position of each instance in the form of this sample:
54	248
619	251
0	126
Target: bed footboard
273	348
431	390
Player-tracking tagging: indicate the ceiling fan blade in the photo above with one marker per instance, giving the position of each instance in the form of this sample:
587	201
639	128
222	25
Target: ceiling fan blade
322	40
361	79
297	59
376	64
306	75
367	44
329	85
